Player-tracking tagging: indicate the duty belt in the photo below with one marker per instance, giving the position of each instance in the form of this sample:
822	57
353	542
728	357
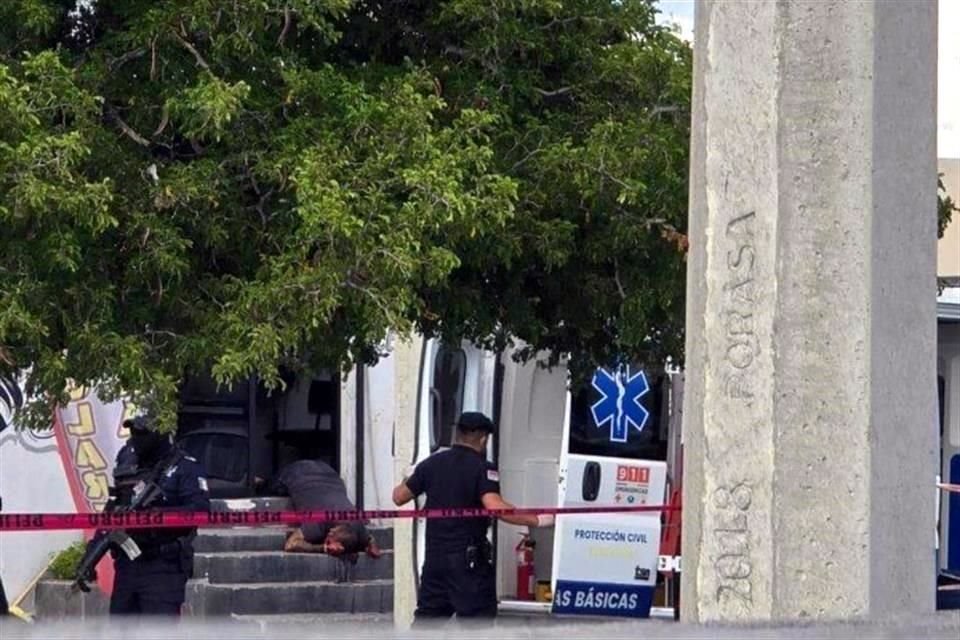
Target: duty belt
169	549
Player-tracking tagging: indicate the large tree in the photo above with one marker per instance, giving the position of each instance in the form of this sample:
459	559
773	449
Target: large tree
250	185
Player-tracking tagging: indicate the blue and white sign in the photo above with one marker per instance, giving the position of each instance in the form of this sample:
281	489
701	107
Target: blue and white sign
619	406
621	482
606	566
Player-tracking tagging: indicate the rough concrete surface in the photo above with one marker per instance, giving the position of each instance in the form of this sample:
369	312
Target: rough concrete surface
406	358
243	572
810	399
944	626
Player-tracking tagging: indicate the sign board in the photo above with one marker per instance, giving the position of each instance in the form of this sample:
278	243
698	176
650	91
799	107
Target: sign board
616	555
607	564
618	482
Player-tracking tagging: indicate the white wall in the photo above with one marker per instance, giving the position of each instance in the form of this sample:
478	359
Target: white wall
31	480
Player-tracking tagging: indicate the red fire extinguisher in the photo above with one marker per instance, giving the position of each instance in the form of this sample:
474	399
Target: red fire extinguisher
525	572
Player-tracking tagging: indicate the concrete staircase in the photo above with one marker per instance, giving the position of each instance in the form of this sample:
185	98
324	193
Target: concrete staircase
243	573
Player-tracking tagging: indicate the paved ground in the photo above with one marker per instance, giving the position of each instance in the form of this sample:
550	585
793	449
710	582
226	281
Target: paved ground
945	625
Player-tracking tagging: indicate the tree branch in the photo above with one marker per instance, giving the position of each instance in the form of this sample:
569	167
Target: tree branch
522	161
189	47
457	51
164	121
664	109
616	278
373	297
559	22
460	52
263	196
153	59
612	178
116	63
127	129
552	94
287	23
154	333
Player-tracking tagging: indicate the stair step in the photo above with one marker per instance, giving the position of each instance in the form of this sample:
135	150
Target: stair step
265	503
279	566
374	596
368	623
240	539
271	538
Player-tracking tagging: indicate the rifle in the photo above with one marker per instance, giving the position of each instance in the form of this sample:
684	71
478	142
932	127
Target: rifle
144	494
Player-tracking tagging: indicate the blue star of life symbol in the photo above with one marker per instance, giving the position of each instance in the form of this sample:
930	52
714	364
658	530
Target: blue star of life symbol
620	404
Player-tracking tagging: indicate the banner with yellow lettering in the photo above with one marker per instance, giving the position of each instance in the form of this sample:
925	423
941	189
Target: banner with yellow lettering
89	435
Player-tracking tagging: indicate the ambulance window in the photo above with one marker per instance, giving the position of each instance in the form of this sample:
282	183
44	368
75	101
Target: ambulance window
449	372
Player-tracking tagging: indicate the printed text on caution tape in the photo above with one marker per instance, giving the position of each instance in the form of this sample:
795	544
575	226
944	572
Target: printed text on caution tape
179	519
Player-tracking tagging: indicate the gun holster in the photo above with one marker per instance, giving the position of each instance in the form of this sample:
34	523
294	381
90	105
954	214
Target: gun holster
479	555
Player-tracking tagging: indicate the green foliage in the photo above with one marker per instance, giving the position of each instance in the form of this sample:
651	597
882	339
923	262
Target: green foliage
945	207
194	185
595	104
65	563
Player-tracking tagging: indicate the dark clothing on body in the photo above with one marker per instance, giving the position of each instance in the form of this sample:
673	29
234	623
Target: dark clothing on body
315	486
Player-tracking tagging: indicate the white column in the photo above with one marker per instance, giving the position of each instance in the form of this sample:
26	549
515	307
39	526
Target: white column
348	433
811	329
406	363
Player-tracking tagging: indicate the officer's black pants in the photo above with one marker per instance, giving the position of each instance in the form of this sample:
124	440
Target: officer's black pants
448	586
153	587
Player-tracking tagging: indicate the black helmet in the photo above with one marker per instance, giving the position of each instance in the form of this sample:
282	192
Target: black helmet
141	423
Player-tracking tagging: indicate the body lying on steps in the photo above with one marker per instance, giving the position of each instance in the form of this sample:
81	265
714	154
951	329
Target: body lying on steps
313	485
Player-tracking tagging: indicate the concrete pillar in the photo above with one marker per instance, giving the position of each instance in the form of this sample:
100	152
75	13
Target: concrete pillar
406	359
811	329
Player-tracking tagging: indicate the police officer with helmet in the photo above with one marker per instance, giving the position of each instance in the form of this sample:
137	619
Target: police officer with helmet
154	583
458	574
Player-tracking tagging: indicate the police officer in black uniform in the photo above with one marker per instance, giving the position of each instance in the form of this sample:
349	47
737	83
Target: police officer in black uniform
155	582
458	573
